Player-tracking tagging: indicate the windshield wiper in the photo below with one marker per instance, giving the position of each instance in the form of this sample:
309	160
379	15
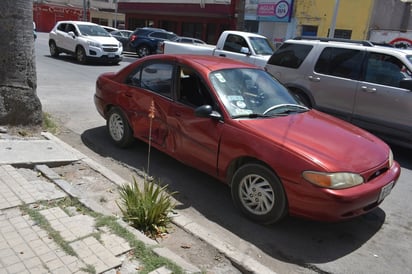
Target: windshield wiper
251	115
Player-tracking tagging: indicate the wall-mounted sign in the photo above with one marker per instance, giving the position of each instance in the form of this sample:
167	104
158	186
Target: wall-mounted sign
269	10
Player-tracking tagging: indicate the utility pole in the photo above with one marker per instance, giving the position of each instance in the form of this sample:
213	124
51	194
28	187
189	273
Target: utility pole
84	11
333	23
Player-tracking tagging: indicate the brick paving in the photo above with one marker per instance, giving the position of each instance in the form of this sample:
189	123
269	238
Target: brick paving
26	248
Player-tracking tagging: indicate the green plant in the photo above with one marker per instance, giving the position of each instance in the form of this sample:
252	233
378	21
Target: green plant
49	124
148	209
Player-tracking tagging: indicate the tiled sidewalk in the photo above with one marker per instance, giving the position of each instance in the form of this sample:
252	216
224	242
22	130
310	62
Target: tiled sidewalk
27	248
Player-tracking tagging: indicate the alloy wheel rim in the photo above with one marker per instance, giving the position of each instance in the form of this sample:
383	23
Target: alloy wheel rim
116	127
256	194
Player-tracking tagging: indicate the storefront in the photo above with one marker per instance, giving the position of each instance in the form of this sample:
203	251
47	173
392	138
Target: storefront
205	21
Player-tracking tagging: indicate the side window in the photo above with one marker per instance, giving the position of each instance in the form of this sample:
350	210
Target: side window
192	91
156	77
234	43
62	27
345	63
290	55
71	27
384	69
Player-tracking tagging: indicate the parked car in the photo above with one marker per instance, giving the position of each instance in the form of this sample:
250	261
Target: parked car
144	41
123	36
235	122
361	82
189	40
109	29
84	40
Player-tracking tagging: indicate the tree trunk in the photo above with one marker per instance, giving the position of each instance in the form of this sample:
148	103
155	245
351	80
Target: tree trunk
19	104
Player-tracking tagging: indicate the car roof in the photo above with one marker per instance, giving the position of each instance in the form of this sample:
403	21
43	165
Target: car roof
78	23
350	44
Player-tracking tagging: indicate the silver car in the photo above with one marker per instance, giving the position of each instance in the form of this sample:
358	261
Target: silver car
366	84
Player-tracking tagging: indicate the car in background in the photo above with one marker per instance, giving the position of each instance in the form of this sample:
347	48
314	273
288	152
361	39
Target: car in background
86	41
123	36
144	41
235	122
358	81
109	29
190	40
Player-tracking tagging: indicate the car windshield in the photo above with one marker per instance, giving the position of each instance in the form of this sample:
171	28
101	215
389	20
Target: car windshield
253	93
261	46
91	30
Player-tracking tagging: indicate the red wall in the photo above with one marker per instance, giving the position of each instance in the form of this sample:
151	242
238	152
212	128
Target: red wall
46	15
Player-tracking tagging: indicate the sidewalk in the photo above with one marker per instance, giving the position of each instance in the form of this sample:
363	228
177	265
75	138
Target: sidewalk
81	246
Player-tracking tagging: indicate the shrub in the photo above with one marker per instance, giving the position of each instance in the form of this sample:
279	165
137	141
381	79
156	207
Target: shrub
146	210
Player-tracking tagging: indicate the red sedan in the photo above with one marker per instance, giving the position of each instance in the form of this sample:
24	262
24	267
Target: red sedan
238	124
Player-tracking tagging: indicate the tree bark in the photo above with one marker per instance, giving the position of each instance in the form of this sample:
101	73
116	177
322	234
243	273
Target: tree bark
19	104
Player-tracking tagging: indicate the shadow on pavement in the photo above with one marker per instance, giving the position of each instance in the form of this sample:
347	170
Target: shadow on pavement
293	240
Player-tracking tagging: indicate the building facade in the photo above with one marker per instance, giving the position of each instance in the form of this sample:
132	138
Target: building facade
203	19
103	12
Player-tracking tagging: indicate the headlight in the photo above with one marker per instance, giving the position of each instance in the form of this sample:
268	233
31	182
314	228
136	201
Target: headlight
338	180
390	158
93	44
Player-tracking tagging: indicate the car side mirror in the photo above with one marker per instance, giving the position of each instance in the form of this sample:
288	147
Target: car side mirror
71	33
207	111
406	84
245	50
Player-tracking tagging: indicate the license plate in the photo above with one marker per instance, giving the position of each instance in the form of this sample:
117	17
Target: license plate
385	191
111	55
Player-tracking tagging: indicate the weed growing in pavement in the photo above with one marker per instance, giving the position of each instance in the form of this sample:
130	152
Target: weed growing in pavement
145	255
49	124
146	210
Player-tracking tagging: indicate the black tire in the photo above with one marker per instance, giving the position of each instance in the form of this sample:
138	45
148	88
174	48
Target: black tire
81	55
143	51
118	128
54	51
259	194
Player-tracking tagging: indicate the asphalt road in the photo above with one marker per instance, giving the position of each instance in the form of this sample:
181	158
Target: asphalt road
379	242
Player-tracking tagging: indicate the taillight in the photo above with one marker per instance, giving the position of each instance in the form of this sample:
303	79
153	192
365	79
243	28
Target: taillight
133	37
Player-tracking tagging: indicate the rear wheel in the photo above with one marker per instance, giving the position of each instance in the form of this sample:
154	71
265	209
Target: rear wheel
259	194
143	51
54	51
81	55
118	128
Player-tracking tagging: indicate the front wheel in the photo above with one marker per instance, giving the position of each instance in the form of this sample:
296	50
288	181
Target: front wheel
259	194
81	55
118	128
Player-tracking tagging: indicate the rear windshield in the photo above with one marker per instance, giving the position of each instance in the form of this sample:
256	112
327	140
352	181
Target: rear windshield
290	55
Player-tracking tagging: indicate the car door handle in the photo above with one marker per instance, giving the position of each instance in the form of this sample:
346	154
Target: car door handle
366	89
313	78
222	55
128	95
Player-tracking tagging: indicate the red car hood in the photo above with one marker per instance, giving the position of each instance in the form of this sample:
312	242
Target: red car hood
332	143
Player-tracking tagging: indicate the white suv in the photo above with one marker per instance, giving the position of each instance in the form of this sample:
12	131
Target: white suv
86	41
366	84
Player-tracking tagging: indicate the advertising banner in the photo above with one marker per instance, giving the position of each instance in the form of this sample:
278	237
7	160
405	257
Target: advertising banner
269	10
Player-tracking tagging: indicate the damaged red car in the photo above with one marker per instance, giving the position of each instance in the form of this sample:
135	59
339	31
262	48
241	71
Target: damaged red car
237	123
